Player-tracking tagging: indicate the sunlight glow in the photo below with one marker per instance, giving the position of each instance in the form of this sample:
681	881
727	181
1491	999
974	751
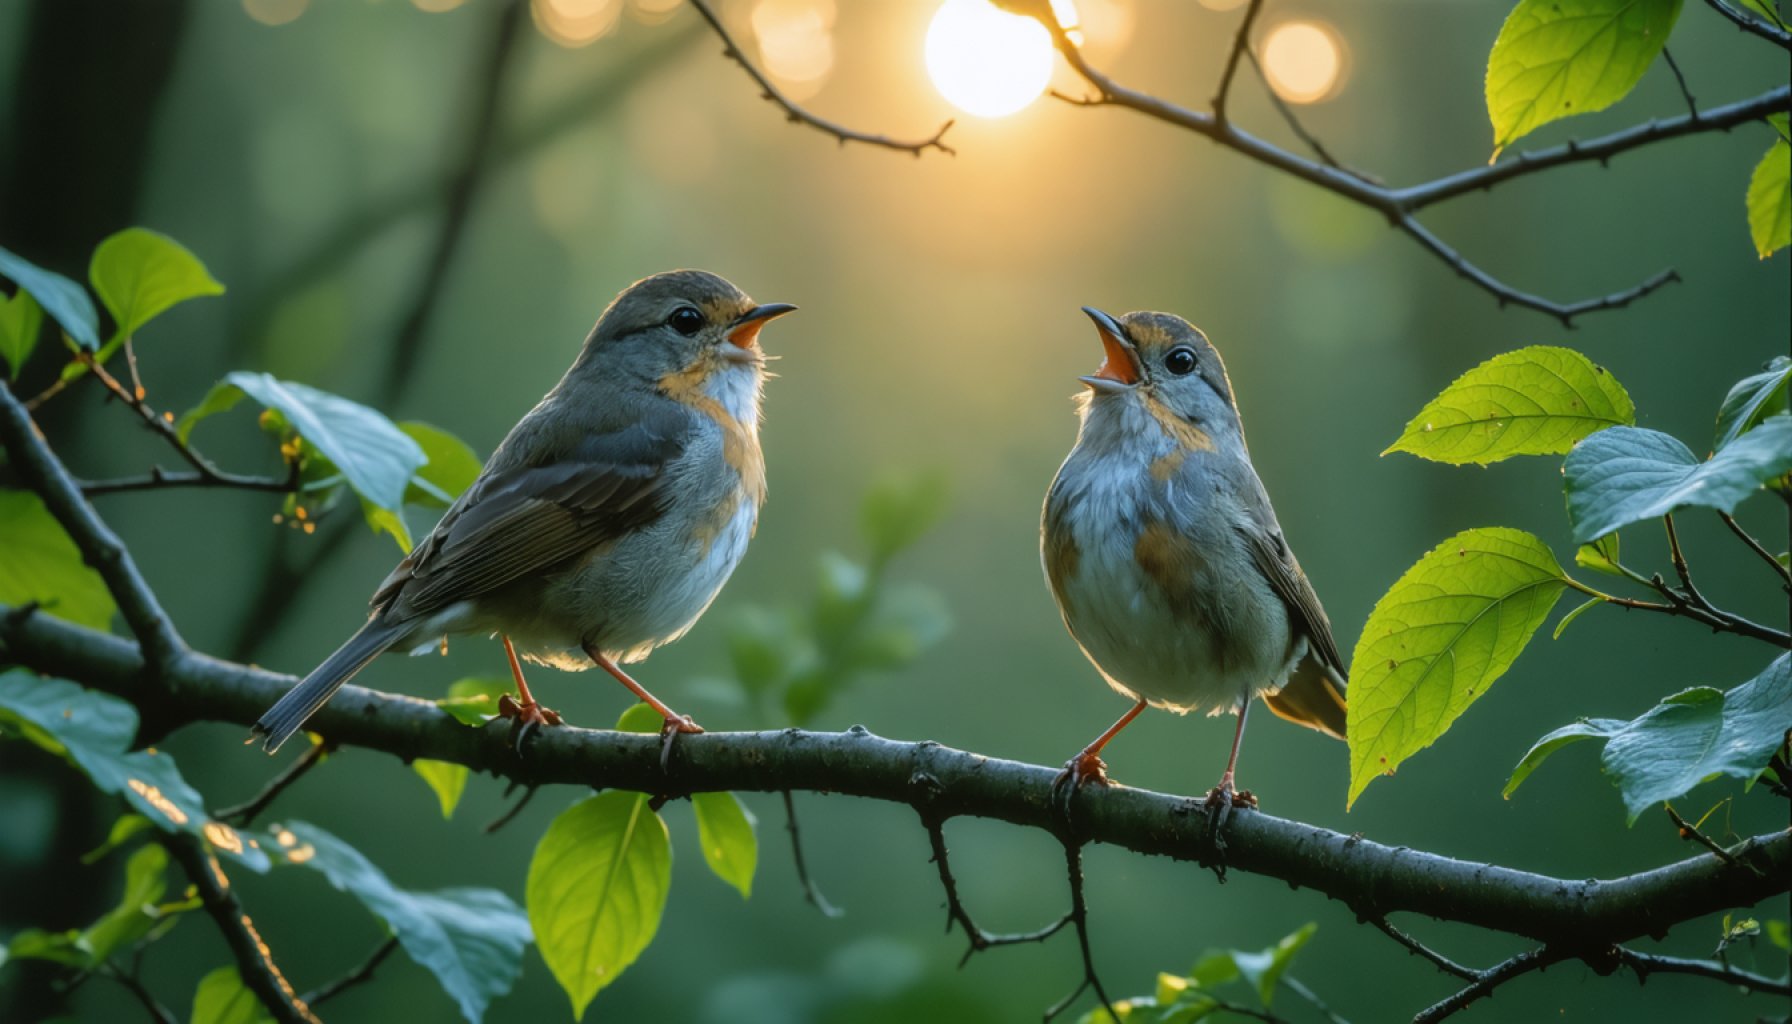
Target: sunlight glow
275	12
1304	61
575	23
796	43
985	61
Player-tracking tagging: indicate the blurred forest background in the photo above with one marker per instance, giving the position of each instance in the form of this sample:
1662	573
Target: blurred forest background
307	152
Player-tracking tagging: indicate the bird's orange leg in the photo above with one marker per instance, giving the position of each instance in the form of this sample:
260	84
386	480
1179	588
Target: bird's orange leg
1225	793
522	708
675	722
1088	766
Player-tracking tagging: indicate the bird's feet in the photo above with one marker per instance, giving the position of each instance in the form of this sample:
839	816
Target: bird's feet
525	718
1221	799
1086	768
676	725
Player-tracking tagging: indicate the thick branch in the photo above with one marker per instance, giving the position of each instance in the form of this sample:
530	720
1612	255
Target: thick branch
253	961
795	113
1374	880
38	467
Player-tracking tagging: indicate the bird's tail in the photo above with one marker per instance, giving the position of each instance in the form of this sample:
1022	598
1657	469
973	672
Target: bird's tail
1314	697
288	714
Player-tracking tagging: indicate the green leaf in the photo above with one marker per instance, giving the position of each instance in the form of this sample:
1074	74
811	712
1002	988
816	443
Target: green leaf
640	718
898	510
1579	610
1770	196
1265	969
907	620
448	780
125	829
374	456
725	831
1780	934
145	882
139	274
95	731
474	701
1700	733
451	468
1535	401
21	321
472	940
65	301
597	889
1585	729
1752	400
1440	636
222	998
1627	474
760	648
1600	556
38	562
1557	58
57	947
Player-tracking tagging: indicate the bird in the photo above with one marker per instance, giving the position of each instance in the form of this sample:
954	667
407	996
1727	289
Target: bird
1165	558
605	522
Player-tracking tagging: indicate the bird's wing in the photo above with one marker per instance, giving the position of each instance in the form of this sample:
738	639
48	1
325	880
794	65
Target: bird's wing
522	519
1314	694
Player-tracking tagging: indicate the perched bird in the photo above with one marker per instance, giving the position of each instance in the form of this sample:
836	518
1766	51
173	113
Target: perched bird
1165	558
608	518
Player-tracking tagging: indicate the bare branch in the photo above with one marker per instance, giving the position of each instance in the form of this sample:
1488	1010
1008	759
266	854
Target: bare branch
1079	916
510	813
1300	130
359	975
253	961
1776	35
1417	948
1754	545
811	892
1486	981
243	815
1692	105
797	114
956	913
1645	964
101	548
1240	46
1689	831
129	981
159	479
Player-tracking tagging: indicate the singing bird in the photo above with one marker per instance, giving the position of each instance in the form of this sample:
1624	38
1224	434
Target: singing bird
605	522
1164	555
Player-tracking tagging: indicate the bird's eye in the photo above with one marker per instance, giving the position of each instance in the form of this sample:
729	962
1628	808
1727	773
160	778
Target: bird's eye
1180	361
686	320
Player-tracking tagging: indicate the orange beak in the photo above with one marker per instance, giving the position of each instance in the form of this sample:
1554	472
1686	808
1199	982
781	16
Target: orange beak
1120	365
744	333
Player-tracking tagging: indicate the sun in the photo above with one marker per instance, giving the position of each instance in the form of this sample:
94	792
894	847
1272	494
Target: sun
985	61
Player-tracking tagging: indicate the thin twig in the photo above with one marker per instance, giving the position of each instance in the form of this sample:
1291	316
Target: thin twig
1079	916
159	479
243	815
355	977
253	961
956	913
1678	558
1678	604
1486	981
1240	46
1773	34
1754	545
512	811
1295	125
797	114
811	892
40	470
1417	948
1294	985
1691	832
129	981
1645	964
1692	105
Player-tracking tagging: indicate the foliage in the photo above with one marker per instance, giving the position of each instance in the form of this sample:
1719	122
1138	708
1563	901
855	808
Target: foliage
1770	194
43	567
1203	994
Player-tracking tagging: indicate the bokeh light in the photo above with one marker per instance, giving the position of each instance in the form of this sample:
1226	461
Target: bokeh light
275	12
652	12
1222	5
1304	61
436	6
574	23
796	43
985	61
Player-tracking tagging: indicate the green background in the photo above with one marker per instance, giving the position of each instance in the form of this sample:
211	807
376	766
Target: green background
939	330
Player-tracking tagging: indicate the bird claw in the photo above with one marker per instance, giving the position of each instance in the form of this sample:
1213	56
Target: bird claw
525	719
673	728
1220	802
1086	768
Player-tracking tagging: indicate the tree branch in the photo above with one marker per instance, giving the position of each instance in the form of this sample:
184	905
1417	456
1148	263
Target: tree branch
1419	949
1374	880
1754	545
253	961
1776	35
355	977
243	814
1645	964
1486	981
1240	46
811	891
956	914
795	113
1079	917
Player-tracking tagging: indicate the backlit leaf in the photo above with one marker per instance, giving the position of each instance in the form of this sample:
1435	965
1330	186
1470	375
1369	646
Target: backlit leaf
140	273
451	468
38	562
222	998
21	321
1535	401
446	778
725	831
1441	635
1770	196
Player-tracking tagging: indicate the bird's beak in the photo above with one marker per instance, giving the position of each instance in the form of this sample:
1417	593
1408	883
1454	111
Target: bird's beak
1120	366
744	332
